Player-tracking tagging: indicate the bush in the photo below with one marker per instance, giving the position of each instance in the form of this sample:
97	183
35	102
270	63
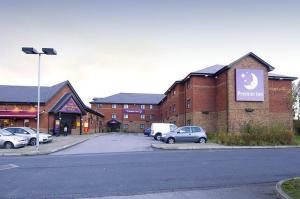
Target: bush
253	134
296	124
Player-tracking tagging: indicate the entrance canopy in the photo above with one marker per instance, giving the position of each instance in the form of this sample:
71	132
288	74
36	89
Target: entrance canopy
113	122
17	114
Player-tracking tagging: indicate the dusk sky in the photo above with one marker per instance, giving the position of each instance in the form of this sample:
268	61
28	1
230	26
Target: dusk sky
107	47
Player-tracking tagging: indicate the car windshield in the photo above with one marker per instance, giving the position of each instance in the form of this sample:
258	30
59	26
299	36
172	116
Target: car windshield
5	133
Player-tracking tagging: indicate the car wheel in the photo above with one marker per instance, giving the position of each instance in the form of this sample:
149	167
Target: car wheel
202	140
32	141
170	140
8	145
157	136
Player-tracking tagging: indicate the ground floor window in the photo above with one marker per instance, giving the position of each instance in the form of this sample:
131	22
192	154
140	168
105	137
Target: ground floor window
188	122
125	126
26	123
142	126
5	123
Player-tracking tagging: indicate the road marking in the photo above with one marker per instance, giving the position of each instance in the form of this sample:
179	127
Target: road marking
8	166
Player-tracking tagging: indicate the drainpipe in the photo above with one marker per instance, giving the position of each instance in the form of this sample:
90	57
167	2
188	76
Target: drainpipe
184	104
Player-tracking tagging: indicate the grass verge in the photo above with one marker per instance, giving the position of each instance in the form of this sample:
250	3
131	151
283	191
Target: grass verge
292	188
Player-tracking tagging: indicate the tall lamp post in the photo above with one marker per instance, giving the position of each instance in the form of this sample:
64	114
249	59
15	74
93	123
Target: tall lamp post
32	51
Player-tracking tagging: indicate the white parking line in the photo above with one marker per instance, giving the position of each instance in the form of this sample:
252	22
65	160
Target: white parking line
8	166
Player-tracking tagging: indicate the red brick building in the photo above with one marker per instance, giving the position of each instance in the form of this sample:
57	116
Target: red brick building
60	105
211	98
132	112
220	97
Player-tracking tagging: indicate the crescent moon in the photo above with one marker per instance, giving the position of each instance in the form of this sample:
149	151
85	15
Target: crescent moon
253	84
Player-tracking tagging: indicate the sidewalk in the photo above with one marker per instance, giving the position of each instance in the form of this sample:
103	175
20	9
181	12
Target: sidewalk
58	143
197	146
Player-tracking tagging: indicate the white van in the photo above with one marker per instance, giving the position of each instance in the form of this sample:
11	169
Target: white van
158	129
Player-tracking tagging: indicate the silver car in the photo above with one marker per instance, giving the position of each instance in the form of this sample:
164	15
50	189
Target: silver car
30	134
185	134
8	140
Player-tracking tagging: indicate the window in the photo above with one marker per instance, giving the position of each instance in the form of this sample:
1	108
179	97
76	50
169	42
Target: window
185	130
125	116
26	122
142	126
174	92
126	106
142	106
188	122
151	106
196	129
151	117
188	85
99	105
113	106
125	126
142	116
174	108
188	103
113	116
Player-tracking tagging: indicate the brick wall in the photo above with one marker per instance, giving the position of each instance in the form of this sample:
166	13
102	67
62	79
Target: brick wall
279	105
236	109
134	120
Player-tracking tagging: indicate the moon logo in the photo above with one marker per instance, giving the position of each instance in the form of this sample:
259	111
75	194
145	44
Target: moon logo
252	83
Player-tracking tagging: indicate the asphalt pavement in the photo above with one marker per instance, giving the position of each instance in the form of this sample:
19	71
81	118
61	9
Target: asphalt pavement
150	172
112	142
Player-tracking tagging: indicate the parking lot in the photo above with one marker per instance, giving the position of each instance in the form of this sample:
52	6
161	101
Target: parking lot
112	142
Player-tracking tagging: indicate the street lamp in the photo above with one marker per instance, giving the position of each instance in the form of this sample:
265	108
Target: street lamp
32	51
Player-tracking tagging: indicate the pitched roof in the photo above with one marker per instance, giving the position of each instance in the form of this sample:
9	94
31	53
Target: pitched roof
28	94
64	99
281	77
209	70
130	98
218	68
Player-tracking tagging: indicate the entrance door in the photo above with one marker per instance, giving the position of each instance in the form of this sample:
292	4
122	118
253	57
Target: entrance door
69	120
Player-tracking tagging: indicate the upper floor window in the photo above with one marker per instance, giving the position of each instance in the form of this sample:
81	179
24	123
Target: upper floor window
151	106
99	105
173	92
142	116
113	116
174	108
114	106
151	117
188	85
125	106
143	106
126	116
188	103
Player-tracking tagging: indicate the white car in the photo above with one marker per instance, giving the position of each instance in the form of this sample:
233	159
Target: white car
9	140
30	134
159	129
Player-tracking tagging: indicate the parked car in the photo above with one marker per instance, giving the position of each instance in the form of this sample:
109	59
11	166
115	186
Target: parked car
30	134
147	131
159	129
8	140
185	134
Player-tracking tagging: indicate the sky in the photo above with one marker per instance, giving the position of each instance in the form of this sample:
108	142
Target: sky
109	46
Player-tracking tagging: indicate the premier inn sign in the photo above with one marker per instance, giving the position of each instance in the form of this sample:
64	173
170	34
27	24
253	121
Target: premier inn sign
249	85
